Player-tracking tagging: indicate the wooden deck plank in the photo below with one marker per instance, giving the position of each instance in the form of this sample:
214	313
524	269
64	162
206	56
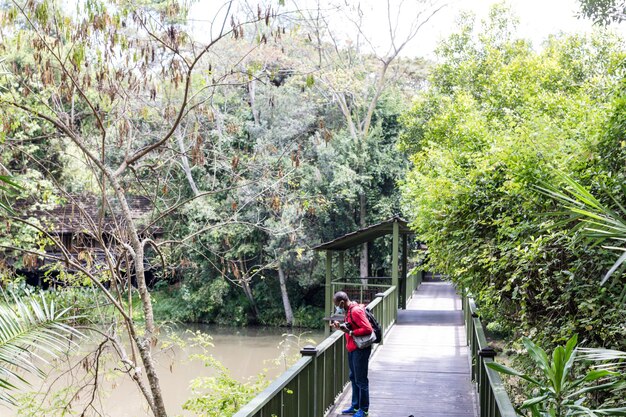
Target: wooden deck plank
423	367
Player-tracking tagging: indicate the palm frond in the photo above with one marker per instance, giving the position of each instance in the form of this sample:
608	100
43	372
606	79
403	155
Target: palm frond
597	221
613	359
614	268
31	329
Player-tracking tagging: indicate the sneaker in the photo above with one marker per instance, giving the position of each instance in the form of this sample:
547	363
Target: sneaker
361	413
350	410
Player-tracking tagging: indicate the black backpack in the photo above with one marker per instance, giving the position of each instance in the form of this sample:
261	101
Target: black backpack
375	326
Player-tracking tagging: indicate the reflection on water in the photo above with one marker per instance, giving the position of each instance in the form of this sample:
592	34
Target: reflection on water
246	352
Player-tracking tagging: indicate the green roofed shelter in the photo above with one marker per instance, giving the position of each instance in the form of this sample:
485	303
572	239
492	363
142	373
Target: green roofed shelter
366	234
395	226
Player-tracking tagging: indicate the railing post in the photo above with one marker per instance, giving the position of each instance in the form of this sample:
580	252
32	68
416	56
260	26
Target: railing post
486	354
311	351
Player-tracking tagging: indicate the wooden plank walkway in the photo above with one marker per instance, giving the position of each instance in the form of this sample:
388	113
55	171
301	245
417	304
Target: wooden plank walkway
423	367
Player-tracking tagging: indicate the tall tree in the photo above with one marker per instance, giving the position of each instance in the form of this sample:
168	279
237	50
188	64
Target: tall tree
357	74
114	82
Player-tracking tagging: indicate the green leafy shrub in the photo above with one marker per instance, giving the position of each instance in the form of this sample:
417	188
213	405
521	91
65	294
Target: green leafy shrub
219	395
193	302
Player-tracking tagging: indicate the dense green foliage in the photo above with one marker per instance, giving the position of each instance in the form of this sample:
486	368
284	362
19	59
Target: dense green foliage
597	221
293	186
498	119
261	168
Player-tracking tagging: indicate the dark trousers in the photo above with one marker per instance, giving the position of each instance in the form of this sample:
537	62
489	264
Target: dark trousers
358	362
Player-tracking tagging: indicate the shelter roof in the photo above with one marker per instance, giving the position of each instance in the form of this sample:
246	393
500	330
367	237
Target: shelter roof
366	234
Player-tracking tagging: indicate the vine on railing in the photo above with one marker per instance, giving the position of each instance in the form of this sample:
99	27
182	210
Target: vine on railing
492	397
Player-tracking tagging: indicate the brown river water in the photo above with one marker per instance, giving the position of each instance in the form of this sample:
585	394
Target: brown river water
246	352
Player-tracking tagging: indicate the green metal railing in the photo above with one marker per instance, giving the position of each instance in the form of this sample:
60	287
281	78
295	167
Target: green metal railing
385	309
363	290
413	281
492	397
309	388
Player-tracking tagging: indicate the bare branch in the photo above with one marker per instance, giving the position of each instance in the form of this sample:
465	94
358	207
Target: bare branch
63	67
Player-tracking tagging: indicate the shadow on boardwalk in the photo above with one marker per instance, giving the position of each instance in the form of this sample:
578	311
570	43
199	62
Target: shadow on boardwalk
423	367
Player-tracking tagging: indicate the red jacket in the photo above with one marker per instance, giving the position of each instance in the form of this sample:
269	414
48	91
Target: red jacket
358	322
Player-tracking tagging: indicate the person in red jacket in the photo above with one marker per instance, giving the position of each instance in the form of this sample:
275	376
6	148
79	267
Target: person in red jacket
355	324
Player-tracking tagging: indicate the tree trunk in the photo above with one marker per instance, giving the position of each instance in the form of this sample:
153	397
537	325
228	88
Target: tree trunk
185	163
219	125
245	284
363	264
252	98
143	343
285	295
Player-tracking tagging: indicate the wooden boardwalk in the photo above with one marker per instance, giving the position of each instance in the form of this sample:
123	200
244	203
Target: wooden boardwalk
423	367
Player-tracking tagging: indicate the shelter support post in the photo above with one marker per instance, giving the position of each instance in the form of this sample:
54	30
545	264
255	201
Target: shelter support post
403	283
329	290
394	257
